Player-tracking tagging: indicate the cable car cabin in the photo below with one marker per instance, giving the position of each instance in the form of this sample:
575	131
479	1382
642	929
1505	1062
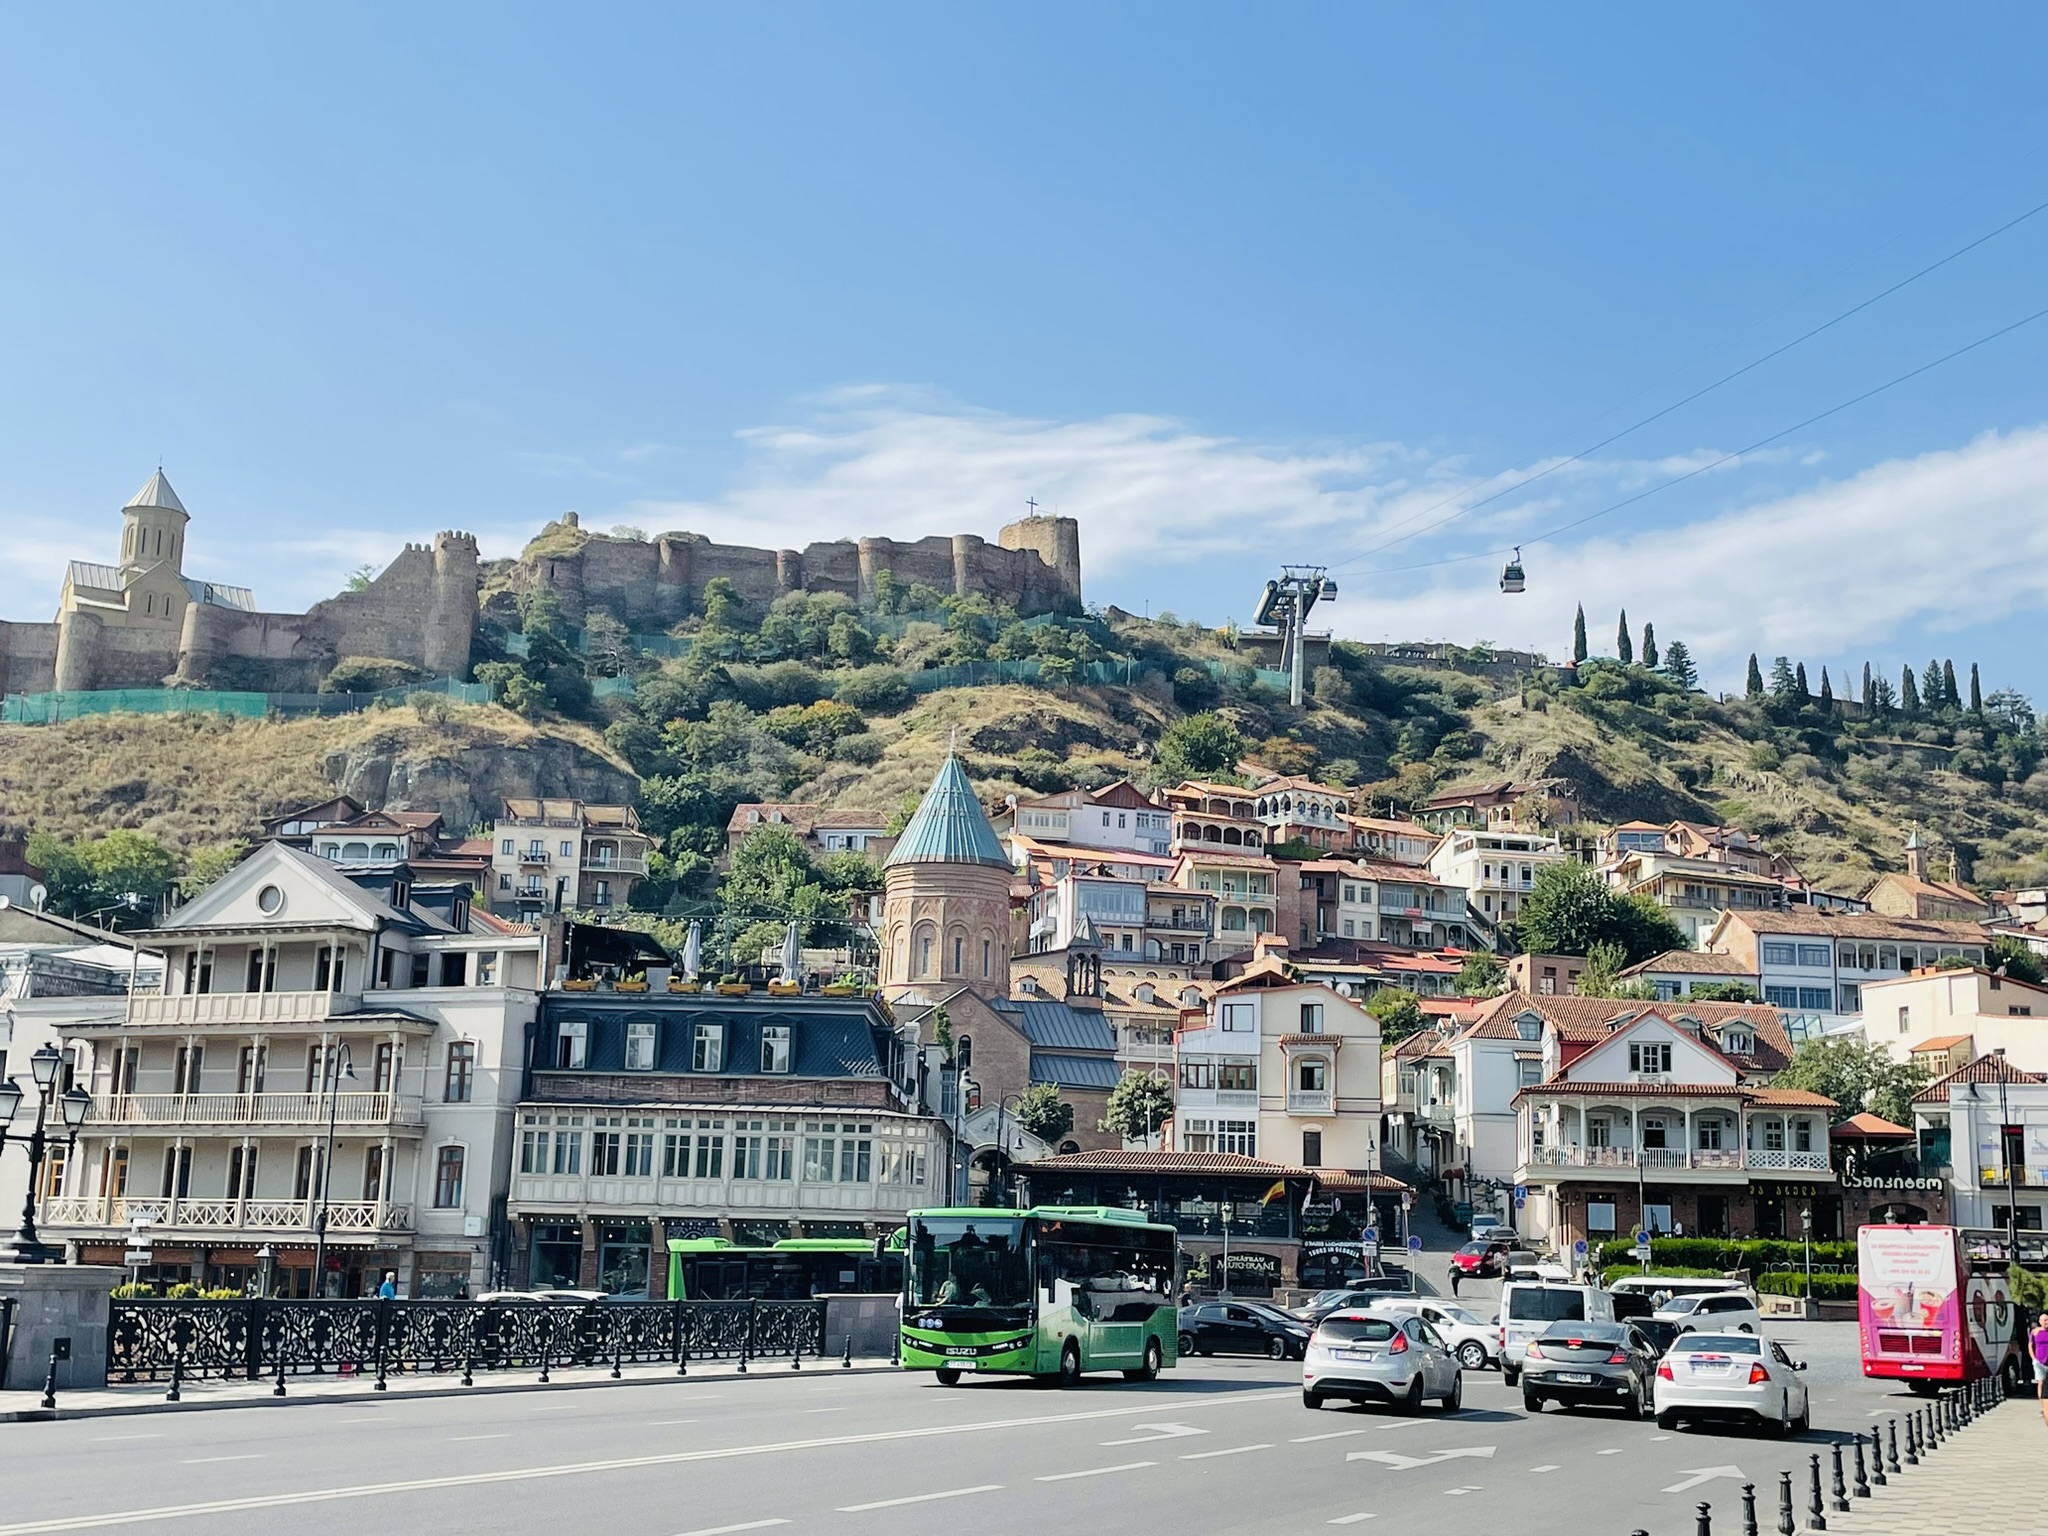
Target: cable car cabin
714	1269
1512	578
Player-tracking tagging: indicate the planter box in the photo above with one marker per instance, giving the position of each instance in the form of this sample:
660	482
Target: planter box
629	986
733	989
682	986
785	989
579	986
839	991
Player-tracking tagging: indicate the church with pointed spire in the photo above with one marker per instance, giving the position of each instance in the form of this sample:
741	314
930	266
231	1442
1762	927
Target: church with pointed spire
146	622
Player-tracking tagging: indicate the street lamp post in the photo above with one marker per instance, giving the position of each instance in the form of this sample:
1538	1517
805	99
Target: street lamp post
1003	1141
27	1246
1226	1211
333	1067
1806	1233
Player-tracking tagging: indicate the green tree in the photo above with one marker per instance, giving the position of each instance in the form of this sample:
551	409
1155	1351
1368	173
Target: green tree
1579	635
1879	697
1724	992
1858	1076
1932	694
1949	695
1801	694
1754	687
1622	647
1782	677
1138	1105
1678	665
1827	692
1043	1113
1866	682
1399	1012
607	645
117	880
770	880
1482	975
1605	962
360	578
1976	692
1909	691
1570	908
205	865
1203	746
1649	644
887	592
2020	962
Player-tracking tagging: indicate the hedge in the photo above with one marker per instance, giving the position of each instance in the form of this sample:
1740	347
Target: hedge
1720	1255
1825	1287
1634	1270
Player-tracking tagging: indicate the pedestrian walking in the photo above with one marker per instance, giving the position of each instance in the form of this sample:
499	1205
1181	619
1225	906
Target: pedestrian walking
2038	1339
1456	1275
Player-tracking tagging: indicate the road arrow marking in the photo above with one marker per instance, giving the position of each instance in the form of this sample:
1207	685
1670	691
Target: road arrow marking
1164	1432
1703	1475
1400	1463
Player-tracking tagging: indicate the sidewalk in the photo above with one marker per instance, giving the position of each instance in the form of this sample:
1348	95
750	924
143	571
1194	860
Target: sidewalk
148	1397
1990	1479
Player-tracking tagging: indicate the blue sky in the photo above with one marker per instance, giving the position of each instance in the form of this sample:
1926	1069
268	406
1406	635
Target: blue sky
1231	285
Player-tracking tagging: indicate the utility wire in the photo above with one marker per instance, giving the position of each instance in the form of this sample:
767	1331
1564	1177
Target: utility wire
1762	442
1706	389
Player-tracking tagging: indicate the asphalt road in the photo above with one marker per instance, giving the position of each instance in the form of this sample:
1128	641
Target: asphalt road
1215	1446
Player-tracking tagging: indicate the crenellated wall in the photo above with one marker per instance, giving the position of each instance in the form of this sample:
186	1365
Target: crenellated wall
1035	567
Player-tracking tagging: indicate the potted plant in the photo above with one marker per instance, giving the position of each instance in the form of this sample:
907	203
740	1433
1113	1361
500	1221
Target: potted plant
847	985
733	984
637	982
579	986
785	989
682	984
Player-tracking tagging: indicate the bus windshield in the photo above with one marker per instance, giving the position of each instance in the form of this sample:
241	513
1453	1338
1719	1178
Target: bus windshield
968	1261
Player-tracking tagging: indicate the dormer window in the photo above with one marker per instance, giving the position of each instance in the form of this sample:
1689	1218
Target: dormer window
1649	1056
1529	1026
1737	1042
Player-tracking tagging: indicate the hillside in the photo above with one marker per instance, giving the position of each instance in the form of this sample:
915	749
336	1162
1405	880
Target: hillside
817	700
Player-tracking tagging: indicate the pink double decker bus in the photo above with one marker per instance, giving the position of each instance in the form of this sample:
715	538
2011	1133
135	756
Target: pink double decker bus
1932	1316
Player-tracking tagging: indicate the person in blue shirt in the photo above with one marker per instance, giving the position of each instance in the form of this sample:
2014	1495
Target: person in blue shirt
389	1289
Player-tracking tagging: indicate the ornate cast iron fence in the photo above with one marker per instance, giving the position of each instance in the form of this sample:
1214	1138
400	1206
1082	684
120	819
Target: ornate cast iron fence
252	1339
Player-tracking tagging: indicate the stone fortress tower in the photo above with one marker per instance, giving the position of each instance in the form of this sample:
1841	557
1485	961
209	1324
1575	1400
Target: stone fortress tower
946	899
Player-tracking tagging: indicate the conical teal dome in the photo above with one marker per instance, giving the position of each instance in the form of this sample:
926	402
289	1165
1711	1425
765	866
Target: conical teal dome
950	826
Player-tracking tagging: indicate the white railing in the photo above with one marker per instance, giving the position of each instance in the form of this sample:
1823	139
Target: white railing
1794	1162
223	1215
203	1008
353	1109
1308	1103
1706	1158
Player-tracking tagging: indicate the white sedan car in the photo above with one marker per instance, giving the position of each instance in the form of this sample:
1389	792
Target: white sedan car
1724	1376
1475	1340
1714	1312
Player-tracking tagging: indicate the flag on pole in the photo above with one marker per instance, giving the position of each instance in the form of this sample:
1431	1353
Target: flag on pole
1277	1192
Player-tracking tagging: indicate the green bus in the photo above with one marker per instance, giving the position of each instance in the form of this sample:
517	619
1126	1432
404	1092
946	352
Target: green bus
717	1269
1050	1291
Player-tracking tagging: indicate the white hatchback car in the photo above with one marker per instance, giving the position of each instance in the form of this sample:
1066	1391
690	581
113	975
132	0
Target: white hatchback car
1708	1376
1375	1357
1475	1340
1715	1312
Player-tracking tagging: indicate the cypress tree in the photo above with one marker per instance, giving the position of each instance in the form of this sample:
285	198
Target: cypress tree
1976	692
1932	694
1649	645
1622	647
1827	692
1754	687
1909	691
1579	635
1866	683
1801	694
1949	696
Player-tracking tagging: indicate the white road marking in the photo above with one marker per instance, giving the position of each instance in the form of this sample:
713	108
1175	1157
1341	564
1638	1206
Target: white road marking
1353	1519
582	1468
1404	1424
1660	1437
1549	1466
1703	1475
1335	1434
1161	1432
1233	1451
1612	1450
368	1418
1128	1466
453	1438
551	1407
127	1437
825	1410
920	1498
665	1423
727	1530
1468	1488
200	1461
1402	1463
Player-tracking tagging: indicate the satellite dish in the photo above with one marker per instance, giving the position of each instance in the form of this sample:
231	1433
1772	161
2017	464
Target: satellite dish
37	895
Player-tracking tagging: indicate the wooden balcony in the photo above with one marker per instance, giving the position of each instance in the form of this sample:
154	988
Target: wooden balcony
202	1010
239	1110
172	1215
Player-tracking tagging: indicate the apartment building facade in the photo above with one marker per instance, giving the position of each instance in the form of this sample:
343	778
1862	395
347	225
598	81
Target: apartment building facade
551	856
1987	1122
1966	1014
1816	964
1495	867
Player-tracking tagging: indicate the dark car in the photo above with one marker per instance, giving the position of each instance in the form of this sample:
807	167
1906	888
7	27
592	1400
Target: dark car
1660	1336
1241	1328
1605	1364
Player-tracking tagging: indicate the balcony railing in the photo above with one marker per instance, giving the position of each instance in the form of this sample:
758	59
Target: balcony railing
199	1009
1650	1158
2023	1178
257	1214
616	864
1308	1103
240	1109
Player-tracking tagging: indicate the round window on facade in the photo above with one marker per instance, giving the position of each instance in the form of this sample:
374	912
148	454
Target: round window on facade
271	900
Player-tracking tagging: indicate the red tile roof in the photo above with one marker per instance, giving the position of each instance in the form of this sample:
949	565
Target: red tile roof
1584	1020
1694	962
1870	1127
1783	1098
1985	1069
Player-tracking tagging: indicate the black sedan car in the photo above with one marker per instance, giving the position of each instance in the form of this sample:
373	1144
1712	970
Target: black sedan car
1241	1328
1606	1364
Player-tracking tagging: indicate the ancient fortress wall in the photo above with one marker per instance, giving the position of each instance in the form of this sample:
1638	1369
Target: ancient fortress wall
649	584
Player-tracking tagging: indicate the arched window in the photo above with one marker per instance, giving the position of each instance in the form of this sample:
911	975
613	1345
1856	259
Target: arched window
988	958
1232	836
924	953
959	955
963	1052
1252	840
1212	834
355	853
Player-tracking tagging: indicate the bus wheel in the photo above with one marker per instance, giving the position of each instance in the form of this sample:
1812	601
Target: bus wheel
1149	1371
948	1376
1070	1365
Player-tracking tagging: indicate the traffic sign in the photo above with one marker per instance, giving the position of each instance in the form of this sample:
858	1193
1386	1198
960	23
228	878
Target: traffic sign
1642	1239
136	1257
1407	1199
1415	1245
1521	1200
1372	1234
1521	1192
1580	1246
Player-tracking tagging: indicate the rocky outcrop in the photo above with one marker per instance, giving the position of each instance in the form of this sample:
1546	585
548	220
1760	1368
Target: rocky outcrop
466	781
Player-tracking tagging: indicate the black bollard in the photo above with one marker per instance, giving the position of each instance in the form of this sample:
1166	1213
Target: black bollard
682	1358
1892	1442
176	1394
1912	1439
50	1384
278	1390
1704	1524
618	1354
846	1356
547	1339
1876	1457
1840	1502
1862	1478
1815	1520
1749	1509
1788	1524
1930	1431
468	1375
796	1350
